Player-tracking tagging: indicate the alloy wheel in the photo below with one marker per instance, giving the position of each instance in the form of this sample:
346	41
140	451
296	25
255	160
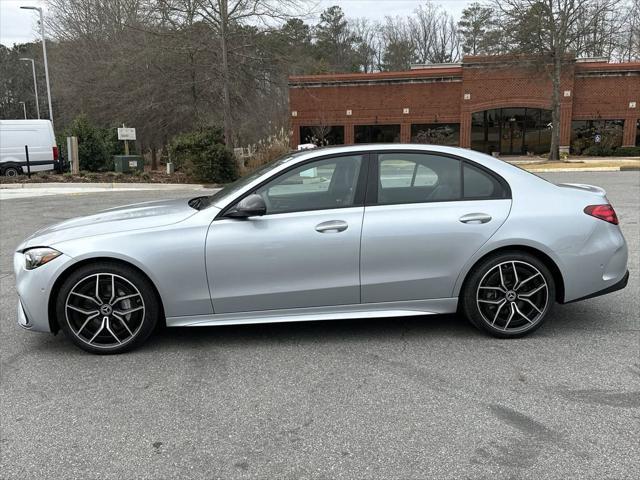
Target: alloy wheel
512	296
105	310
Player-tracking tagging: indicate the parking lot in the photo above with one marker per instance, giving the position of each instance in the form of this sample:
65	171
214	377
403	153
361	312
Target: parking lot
424	397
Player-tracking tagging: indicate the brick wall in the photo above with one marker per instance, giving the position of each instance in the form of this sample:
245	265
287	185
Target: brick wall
449	94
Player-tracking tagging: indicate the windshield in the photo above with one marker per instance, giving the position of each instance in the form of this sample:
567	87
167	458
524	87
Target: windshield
204	202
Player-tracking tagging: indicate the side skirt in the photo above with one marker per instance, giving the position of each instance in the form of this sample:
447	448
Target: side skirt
340	312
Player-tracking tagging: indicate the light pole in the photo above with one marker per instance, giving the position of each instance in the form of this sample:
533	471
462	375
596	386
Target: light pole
35	82
44	53
24	109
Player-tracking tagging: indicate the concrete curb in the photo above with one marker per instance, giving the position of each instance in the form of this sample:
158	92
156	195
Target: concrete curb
194	186
623	168
105	185
563	170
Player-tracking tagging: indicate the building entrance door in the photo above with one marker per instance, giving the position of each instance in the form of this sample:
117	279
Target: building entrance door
512	137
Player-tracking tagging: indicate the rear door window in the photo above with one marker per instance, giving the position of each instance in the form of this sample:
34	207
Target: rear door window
418	178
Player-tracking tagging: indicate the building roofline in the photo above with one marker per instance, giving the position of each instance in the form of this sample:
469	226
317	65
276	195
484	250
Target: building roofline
608	67
446	72
452	71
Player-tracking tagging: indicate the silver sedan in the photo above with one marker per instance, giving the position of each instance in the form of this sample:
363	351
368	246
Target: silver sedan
334	233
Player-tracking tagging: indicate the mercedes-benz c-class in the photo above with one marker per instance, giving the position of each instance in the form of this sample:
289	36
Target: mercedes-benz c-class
326	234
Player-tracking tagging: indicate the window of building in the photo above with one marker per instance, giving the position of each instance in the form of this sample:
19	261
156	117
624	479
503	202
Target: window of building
638	133
511	131
322	135
417	178
318	185
377	133
485	131
596	135
436	133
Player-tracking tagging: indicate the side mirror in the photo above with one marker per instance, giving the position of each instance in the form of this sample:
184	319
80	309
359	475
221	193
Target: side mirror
251	206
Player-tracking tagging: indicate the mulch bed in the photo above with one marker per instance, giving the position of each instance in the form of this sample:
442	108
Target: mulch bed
100	177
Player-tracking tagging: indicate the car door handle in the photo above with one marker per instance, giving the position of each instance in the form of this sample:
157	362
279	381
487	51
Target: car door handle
332	226
475	218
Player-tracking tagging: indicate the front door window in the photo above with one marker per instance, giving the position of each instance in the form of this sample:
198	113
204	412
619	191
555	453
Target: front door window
320	185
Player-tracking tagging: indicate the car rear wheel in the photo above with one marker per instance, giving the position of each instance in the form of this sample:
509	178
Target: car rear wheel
107	308
509	295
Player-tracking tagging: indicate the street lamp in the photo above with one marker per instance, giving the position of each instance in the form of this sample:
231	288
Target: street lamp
24	109
35	83
44	53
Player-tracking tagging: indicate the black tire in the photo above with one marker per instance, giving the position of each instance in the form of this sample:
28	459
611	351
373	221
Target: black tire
519	315
11	171
117	330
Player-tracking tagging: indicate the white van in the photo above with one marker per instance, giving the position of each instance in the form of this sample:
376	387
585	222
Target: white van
38	136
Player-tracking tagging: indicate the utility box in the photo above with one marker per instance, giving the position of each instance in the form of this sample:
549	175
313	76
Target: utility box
128	163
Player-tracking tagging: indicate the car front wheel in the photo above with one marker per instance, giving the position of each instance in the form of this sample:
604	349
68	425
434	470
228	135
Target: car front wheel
509	295
107	308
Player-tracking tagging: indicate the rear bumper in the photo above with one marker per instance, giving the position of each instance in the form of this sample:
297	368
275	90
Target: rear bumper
613	288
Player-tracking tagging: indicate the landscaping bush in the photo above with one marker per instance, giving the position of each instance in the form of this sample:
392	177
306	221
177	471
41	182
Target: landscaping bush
96	145
92	151
203	155
627	152
598	151
268	149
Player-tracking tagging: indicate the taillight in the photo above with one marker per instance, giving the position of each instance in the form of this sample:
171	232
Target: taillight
603	212
55	154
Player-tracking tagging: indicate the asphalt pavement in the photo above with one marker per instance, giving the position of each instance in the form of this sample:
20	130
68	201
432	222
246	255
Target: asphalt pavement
409	398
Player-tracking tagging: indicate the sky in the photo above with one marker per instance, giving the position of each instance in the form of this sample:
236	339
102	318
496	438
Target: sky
19	26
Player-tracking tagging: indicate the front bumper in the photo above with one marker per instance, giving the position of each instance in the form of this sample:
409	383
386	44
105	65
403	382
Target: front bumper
34	290
23	320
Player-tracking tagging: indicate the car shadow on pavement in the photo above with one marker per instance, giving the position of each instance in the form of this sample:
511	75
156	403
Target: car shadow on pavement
563	322
338	331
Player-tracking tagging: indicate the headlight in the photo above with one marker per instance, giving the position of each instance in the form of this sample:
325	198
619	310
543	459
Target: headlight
36	257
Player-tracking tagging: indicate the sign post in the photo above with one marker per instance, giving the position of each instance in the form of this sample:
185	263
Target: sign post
72	153
126	134
26	154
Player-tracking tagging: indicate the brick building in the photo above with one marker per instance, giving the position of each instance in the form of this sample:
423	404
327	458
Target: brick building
490	104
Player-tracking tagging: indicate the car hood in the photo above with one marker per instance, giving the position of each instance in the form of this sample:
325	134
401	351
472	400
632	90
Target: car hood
113	220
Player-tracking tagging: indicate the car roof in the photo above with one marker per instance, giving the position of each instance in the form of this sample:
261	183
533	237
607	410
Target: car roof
509	172
481	158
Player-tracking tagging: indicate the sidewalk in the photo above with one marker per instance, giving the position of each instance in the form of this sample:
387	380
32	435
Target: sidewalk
523	160
574	164
10	191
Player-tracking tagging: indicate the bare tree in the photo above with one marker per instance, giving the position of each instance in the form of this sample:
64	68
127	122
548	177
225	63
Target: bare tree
628	48
367	34
549	30
225	17
398	48
435	35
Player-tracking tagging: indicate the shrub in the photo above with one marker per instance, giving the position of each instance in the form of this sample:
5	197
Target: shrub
627	152
598	151
92	150
96	145
203	156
